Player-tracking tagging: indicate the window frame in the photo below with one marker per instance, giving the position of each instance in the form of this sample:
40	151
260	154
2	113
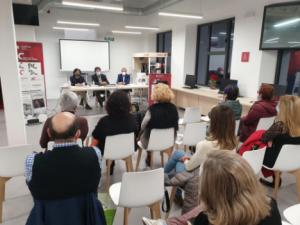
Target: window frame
229	25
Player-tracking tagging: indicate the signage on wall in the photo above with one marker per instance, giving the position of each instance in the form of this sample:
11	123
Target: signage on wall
245	56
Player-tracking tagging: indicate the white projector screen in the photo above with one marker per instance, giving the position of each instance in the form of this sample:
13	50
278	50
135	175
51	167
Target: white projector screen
85	55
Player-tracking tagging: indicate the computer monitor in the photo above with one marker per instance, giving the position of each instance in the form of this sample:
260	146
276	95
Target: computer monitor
190	81
225	82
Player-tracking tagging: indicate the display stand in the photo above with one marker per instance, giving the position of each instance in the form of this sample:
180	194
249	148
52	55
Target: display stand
150	68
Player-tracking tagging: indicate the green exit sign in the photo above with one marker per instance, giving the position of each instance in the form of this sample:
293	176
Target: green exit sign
109	38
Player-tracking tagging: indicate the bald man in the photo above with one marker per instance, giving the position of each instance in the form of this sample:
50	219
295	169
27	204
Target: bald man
66	172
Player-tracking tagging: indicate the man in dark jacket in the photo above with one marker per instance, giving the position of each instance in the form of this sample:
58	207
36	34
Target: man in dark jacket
64	181
100	79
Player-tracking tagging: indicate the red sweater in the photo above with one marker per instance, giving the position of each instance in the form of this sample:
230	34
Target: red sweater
260	109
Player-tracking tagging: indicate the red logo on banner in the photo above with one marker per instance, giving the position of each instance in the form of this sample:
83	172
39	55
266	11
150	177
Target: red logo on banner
245	56
30	52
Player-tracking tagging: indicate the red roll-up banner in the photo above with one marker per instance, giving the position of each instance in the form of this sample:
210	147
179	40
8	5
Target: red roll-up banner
32	74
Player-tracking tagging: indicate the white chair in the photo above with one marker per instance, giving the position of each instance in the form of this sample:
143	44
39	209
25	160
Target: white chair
193	133
292	214
237	126
255	158
161	140
139	189
12	161
118	147
287	161
191	115
265	123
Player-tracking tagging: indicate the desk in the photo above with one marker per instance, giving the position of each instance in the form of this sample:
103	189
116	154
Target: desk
205	98
104	88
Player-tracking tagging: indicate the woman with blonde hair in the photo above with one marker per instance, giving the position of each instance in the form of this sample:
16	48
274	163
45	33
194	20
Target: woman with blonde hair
285	130
161	115
230	194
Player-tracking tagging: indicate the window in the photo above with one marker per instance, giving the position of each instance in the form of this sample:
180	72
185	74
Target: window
214	50
164	44
288	71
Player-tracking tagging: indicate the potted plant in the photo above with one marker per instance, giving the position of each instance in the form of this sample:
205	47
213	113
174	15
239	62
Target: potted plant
213	78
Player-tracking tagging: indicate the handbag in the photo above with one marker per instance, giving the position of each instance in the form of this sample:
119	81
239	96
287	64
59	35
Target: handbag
165	207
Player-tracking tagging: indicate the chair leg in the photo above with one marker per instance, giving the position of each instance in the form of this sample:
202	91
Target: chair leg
157	210
138	159
126	216
172	197
2	195
151	159
169	152
277	181
162	159
108	165
129	166
297	175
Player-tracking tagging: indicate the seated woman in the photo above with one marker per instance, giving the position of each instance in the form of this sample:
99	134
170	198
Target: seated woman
231	92
68	103
285	130
221	137
162	114
230	194
118	121
265	107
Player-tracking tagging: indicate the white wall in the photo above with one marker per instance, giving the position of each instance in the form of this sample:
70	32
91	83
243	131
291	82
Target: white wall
25	33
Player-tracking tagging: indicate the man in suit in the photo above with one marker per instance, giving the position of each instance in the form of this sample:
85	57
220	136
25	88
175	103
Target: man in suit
123	77
64	181
100	79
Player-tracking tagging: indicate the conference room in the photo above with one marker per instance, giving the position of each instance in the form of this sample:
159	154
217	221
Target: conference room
168	111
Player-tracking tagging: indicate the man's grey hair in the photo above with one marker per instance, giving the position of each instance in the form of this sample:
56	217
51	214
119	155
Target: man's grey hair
68	101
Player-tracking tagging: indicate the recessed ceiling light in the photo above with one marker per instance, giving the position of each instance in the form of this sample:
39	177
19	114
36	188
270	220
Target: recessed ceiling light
180	15
142	28
78	23
70	28
92	5
126	32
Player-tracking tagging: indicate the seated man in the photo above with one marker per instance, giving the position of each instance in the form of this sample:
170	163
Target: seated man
100	79
64	181
123	77
68	103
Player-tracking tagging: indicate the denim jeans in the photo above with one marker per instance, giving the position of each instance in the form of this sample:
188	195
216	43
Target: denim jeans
174	162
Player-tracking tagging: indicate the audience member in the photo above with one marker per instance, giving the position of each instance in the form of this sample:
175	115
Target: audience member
64	181
118	121
162	114
100	79
265	107
230	194
123	77
68	103
285	130
221	137
231	92
78	80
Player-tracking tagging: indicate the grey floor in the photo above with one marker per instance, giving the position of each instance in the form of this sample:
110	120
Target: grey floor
19	202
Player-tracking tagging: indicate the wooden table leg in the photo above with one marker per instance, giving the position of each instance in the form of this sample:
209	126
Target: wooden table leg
3	180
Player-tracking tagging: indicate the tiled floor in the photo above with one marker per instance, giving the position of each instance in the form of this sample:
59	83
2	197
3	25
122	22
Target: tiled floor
18	201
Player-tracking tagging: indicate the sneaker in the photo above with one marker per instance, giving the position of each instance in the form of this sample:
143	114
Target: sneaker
88	107
147	221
